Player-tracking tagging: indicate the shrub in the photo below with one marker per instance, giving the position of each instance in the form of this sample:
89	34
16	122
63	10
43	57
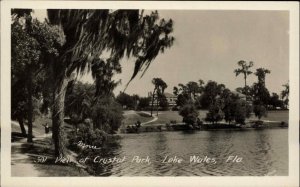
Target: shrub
107	115
87	135
259	111
189	113
107	144
163	103
214	114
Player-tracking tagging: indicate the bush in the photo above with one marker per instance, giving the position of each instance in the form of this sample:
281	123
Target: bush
144	103
163	103
242	111
106	143
237	110
189	113
259	111
87	135
107	115
214	114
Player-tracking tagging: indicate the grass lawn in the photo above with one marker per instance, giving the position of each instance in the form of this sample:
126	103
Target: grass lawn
280	115
166	116
132	118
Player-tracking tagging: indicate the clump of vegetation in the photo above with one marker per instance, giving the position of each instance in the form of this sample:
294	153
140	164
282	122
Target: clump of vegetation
158	94
214	114
189	113
89	143
107	115
260	111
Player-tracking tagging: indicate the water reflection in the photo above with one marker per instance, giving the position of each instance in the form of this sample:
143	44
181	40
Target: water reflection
263	152
100	162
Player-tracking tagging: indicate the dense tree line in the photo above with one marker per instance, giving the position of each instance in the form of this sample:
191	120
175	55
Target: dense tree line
223	104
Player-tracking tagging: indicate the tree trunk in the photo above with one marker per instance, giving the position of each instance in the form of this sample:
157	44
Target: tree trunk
30	105
23	130
157	103
152	101
58	134
245	78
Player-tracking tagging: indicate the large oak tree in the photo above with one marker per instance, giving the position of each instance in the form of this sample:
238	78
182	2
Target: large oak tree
89	34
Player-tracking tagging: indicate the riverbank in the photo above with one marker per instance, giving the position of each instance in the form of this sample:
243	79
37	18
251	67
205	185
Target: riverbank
208	127
168	121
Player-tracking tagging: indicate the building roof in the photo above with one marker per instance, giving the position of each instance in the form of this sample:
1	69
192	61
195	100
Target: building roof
238	94
169	94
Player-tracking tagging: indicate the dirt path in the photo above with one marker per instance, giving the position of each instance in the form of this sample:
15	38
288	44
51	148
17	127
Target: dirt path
154	119
16	124
22	164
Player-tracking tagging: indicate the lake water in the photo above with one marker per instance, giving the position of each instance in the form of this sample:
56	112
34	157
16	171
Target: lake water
263	152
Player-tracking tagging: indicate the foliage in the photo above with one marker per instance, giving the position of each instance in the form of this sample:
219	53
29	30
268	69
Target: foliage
159	85
285	94
189	113
260	94
107	114
261	75
125	100
182	99
158	91
78	102
275	101
259	111
105	146
215	112
189	92
120	32
87	135
82	104
245	69
230	107
31	42
245	90
210	92
242	111
163	102
104	143
90	33
144	103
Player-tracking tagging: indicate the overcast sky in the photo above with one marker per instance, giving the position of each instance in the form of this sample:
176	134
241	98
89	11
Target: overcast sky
208	46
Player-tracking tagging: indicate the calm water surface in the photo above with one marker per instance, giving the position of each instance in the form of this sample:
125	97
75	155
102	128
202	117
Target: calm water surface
263	152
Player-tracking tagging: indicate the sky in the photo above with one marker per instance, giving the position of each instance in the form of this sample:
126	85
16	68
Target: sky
209	43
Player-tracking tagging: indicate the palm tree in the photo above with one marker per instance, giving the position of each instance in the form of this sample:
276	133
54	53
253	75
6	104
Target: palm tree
159	88
261	75
245	69
88	33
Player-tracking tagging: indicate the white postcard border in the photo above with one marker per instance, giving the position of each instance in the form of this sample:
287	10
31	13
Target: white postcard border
291	180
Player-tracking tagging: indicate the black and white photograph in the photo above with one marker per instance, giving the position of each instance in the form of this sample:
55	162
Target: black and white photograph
150	92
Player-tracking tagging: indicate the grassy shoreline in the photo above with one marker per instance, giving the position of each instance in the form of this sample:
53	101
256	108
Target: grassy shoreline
273	120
